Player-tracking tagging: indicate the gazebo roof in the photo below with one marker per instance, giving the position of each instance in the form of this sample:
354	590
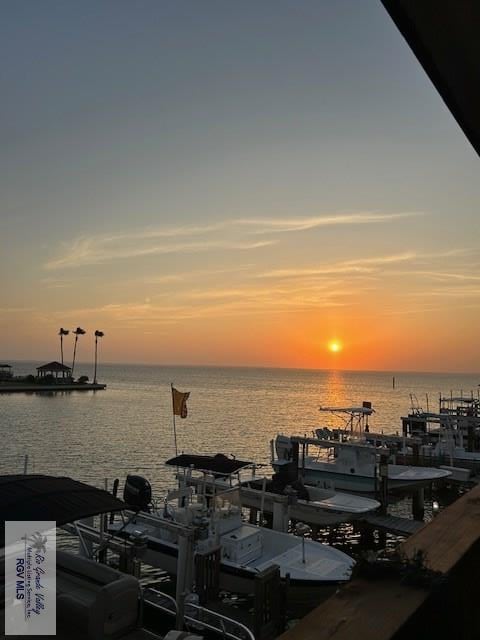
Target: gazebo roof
54	366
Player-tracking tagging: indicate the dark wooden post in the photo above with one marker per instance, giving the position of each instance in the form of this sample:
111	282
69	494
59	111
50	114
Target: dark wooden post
267	615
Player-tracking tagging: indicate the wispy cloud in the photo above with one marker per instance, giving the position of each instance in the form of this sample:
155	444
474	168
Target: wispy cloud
441	276
361	265
91	250
266	225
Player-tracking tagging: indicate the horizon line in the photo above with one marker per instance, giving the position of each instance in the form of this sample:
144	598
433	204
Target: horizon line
261	367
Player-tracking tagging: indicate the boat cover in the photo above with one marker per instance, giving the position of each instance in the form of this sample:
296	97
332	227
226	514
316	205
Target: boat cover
41	497
214	464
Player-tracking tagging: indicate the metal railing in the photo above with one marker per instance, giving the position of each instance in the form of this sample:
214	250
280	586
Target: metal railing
198	617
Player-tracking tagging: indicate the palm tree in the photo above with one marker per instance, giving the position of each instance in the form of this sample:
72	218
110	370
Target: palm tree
61	333
98	334
78	332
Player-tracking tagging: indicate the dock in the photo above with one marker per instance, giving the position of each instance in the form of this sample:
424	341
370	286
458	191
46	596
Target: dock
48	388
392	524
438	598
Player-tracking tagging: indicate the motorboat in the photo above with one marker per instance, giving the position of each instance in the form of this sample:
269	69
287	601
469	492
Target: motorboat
91	599
320	506
244	549
349	466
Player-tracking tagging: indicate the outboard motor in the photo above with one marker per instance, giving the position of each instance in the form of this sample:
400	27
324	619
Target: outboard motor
138	493
283	447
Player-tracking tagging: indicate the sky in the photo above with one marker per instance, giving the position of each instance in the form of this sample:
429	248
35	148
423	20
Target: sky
232	183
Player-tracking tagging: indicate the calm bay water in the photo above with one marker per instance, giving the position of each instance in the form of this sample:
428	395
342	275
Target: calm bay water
128	428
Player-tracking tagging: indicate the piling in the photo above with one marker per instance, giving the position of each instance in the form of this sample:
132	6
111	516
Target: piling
280	514
383	477
418	504
207	575
184	576
268	601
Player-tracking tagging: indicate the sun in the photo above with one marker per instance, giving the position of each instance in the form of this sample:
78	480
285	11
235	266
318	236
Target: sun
335	346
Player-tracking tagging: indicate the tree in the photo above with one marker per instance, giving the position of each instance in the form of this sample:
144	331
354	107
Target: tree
61	333
98	334
78	332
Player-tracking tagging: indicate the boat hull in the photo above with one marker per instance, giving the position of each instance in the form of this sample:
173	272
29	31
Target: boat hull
311	511
362	484
234	578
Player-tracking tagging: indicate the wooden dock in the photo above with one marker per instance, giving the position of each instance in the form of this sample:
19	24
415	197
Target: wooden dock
393	524
441	601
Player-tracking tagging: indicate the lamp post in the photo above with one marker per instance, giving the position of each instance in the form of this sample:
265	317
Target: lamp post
78	332
98	334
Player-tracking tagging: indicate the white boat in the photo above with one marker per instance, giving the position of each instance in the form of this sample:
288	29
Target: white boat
245	549
350	466
322	506
318	506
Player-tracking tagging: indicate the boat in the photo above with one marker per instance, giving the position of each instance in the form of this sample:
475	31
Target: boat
320	506
349	466
92	600
245	550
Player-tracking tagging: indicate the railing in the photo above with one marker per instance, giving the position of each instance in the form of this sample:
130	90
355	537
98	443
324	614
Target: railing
198	617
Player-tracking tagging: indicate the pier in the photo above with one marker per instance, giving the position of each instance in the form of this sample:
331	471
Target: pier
57	388
435	596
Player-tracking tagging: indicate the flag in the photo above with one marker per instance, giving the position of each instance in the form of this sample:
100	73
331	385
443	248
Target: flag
179	400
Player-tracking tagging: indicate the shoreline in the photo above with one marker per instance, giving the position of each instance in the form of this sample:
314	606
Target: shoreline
40	388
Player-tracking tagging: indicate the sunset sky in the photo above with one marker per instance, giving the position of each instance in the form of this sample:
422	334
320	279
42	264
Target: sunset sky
235	183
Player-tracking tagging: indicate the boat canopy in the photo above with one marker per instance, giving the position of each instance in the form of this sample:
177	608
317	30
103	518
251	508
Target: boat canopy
219	463
365	411
42	497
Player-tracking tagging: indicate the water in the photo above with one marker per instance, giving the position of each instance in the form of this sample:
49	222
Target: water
128	428
93	436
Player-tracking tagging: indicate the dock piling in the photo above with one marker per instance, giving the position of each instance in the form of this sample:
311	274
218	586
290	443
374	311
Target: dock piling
280	514
418	504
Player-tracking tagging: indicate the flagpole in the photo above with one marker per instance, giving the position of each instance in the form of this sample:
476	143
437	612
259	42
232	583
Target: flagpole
174	426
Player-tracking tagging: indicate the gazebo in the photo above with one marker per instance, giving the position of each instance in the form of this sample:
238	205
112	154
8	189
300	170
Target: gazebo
5	371
54	369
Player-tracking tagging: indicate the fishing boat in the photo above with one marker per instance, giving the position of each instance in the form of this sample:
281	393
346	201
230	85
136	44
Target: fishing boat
321	506
244	549
349	466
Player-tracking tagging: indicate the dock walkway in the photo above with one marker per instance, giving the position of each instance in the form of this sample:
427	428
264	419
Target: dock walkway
393	524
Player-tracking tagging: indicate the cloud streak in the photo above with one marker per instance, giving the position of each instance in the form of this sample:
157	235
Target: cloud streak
277	225
361	265
222	235
92	251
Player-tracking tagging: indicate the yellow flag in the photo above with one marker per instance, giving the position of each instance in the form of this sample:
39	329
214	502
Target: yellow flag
179	400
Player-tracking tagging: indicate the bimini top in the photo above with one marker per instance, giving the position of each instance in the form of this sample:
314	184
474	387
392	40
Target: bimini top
215	464
40	497
364	410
